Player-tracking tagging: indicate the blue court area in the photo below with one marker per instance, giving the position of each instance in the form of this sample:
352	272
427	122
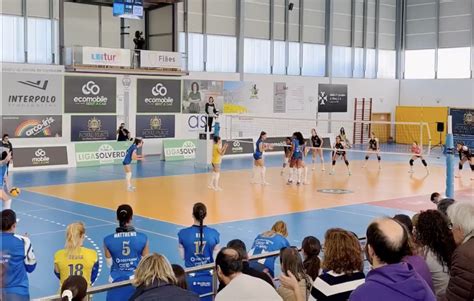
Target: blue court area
45	218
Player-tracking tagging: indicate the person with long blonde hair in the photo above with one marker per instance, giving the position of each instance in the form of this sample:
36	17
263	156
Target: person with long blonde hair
74	259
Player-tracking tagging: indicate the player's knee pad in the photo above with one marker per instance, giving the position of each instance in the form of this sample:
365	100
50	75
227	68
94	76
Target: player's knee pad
379	158
333	162
347	162
460	166
424	162
366	157
411	162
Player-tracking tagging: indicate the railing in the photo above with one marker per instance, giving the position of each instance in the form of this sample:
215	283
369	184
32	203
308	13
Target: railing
206	267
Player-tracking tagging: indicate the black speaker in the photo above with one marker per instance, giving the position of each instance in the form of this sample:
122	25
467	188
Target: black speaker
290	6
440	127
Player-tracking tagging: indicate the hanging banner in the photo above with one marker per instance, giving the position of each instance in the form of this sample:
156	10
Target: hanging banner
463	125
155	126
242	97
40	156
160	59
197	92
99	56
93	128
41	126
90	94
158	96
332	98
179	149
100	153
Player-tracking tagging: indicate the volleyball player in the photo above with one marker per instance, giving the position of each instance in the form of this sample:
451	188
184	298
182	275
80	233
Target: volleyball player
217	152
416	154
74	259
338	151
127	161
465	155
123	251
286	154
199	245
317	151
373	148
4	192
298	152
259	164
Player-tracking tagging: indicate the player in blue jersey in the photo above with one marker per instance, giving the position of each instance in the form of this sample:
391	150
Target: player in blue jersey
123	251
267	242
259	164
198	245
17	260
127	161
4	192
298	151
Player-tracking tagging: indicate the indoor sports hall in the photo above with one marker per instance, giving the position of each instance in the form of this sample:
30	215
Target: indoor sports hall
319	113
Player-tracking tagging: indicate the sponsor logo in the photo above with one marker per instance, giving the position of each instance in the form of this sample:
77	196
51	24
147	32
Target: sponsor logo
91	96
322	98
197	122
94	124
468	118
33	99
34	127
40	157
236	147
155	129
105	154
42	85
187	150
155	123
94	131
90	88
160	99
103	57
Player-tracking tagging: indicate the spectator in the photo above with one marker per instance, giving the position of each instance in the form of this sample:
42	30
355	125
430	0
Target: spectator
269	241
155	280
74	288
74	259
180	275
239	286
461	283
390	279
417	262
18	259
5	198
198	245
124	246
435	198
290	261
414	222
241	248
122	133
444	204
6	143
311	248
342	267
438	245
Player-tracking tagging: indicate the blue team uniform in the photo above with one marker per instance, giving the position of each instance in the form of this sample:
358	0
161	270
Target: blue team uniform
17	259
128	156
3	173
263	244
297	153
196	255
258	151
126	249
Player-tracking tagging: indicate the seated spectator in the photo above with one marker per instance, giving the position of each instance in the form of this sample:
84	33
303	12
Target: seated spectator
461	283
413	258
74	288
444	204
155	280
238	285
269	241
290	261
390	279
414	222
74	259
342	267
435	198
240	247
311	247
18	259
124	246
180	275
438	245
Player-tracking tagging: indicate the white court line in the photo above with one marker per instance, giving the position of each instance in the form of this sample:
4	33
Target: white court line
349	212
59	231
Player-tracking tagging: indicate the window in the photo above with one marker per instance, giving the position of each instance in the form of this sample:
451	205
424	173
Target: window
358	62
39	41
257	56
314	59
341	61
12	47
387	64
195	49
221	54
279	57
370	64
419	63
294	58
454	62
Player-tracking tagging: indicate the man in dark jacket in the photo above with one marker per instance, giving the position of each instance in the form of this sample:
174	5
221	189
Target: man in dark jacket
461	281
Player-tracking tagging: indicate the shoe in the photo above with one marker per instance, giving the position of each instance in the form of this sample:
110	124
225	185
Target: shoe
289	182
350	173
211	187
323	169
218	189
331	172
131	189
298	183
265	183
410	171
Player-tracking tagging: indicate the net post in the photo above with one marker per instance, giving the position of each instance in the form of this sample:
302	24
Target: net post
449	160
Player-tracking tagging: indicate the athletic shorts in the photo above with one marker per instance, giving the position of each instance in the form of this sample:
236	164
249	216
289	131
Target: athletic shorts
297	156
257	157
216	165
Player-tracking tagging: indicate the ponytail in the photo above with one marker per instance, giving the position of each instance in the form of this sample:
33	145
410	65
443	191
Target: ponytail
74	288
262	133
124	215
67	295
74	235
199	213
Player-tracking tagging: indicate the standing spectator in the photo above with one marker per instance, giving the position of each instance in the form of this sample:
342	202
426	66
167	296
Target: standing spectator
6	143
155	280
74	259
461	282
211	112
180	275
5	197
290	261
311	248
342	267
74	288
122	133
437	242
198	245
435	198
123	251
269	241
239	286
18	259
390	279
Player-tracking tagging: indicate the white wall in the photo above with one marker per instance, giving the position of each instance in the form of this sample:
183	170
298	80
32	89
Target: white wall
161	29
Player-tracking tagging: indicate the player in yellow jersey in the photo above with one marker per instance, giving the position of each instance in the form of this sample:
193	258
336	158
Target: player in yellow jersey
218	150
74	259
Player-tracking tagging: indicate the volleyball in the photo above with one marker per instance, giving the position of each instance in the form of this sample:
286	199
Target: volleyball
15	191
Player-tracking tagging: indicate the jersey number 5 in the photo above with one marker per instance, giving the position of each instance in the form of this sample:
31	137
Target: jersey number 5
199	245
76	269
126	248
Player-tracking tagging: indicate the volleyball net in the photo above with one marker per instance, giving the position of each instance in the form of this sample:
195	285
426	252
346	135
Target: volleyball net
394	137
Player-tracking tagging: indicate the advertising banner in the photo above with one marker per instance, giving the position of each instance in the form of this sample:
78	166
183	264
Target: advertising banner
239	147
158	96
40	156
197	92
89	94
179	149
155	126
277	142
99	56
332	98
242	97
160	59
463	125
42	126
93	128
100	153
